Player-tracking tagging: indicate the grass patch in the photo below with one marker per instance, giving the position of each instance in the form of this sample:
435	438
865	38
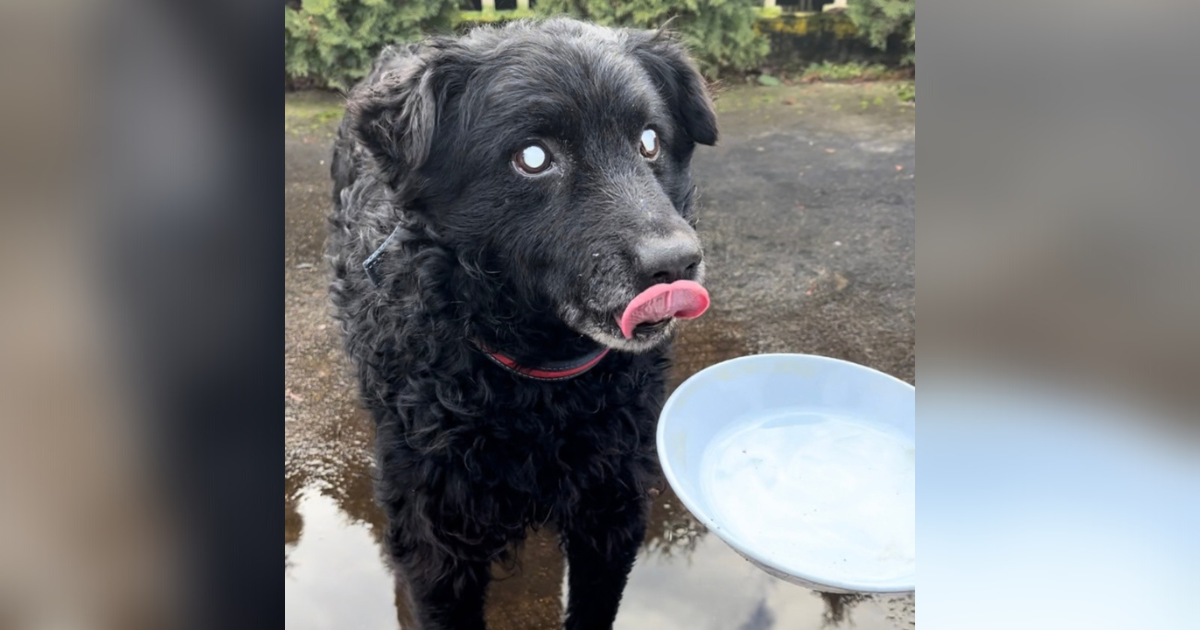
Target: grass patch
845	72
307	113
907	92
797	97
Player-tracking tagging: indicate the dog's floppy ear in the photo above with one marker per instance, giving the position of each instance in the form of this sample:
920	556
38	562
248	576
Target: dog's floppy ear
680	83
393	113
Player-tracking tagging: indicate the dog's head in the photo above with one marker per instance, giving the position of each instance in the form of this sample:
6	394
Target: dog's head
553	159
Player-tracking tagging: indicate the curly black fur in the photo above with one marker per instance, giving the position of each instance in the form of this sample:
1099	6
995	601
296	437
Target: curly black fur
470	455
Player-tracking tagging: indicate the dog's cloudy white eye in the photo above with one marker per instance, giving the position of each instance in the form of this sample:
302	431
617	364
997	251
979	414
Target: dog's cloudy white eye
649	143
533	159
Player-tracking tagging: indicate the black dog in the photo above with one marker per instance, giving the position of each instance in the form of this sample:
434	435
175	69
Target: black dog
510	206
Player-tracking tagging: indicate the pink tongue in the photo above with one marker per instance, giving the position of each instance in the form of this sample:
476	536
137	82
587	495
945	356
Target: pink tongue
683	299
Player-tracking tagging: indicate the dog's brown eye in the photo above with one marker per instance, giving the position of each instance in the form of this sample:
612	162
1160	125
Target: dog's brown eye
649	144
533	159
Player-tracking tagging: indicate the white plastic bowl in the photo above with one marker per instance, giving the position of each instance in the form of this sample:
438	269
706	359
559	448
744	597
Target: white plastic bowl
805	465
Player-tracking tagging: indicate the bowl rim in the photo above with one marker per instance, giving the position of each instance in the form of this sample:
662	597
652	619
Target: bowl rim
881	588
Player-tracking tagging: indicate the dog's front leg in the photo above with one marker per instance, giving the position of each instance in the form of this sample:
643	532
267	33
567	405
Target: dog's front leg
601	542
444	593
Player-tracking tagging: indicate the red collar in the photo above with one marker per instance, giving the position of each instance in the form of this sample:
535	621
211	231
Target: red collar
554	371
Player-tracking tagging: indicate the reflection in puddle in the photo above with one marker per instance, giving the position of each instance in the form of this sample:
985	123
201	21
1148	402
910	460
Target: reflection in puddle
337	577
336	574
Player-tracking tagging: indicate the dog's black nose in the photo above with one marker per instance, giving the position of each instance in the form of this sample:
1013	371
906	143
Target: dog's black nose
667	259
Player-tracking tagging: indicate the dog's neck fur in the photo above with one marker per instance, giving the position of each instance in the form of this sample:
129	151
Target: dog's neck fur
529	333
527	330
536	341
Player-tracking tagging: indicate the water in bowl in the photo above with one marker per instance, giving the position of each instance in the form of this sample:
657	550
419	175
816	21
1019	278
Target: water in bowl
820	493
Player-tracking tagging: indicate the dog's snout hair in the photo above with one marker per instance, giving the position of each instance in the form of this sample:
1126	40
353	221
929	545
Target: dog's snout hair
636	196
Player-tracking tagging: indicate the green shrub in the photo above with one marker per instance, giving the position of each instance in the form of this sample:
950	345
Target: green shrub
720	33
331	43
881	20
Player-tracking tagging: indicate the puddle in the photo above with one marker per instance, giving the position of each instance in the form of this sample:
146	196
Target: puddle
336	574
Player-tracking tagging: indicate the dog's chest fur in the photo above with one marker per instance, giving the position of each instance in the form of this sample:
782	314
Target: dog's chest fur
514	453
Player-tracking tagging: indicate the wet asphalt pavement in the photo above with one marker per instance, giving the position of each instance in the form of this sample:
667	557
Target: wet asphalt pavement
807	213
